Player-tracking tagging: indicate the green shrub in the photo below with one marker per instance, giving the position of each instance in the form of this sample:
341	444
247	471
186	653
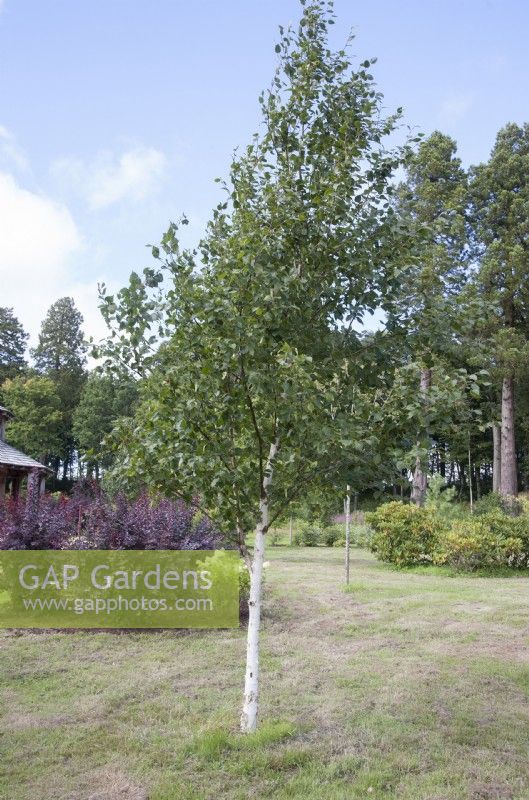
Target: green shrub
491	539
441	499
492	501
361	535
309	535
217	564
487	503
404	534
523	499
274	537
331	534
244	581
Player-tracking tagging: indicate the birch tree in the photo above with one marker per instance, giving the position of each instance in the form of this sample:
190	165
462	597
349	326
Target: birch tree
256	394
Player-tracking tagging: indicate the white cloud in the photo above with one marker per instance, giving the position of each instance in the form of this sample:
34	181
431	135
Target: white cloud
109	179
38	237
33	228
42	250
455	106
9	149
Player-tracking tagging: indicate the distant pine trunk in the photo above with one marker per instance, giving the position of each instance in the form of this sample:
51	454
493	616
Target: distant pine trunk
420	483
442	461
508	478
496	457
462	477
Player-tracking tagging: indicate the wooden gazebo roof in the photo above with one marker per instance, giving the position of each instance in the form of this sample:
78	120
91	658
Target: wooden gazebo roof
11	457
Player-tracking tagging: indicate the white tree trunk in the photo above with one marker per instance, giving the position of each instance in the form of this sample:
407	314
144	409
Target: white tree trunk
251	682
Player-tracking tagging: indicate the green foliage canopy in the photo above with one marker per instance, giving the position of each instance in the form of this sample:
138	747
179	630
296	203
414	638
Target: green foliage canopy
13	340
60	355
103	400
37	424
260	347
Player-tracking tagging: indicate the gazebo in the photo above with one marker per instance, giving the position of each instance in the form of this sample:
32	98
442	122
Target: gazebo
15	466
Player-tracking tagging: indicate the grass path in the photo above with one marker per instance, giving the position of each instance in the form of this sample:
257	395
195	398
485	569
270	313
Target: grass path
409	686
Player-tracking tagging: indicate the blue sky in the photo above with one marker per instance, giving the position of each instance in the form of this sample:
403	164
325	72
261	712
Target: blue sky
116	115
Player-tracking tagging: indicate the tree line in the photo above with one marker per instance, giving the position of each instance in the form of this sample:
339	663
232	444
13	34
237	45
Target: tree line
458	308
62	411
445	365
463	305
457	313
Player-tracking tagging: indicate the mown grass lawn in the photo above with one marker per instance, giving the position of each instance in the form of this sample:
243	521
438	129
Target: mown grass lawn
411	686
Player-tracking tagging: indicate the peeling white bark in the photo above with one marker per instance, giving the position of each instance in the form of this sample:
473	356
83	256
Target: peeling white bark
251	683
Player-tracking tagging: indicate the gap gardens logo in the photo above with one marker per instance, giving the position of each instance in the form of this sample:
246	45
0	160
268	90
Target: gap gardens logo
119	589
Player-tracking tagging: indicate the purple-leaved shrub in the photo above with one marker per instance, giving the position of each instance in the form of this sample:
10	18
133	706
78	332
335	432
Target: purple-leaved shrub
90	520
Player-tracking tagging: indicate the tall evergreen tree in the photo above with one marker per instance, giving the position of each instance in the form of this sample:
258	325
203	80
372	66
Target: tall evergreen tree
13	341
60	355
104	399
500	213
432	200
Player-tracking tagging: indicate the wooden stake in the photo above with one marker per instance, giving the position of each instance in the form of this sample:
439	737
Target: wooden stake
470	480
347	531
